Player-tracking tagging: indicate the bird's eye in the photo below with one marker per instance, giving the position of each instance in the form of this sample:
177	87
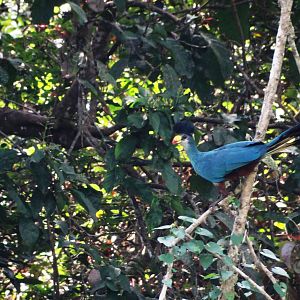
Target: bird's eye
184	137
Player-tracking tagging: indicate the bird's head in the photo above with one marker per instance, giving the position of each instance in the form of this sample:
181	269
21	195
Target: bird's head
184	131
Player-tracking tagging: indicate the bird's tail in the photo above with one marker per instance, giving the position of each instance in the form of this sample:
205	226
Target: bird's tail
290	137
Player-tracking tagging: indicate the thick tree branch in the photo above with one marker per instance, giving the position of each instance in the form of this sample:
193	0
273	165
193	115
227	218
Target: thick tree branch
270	95
29	125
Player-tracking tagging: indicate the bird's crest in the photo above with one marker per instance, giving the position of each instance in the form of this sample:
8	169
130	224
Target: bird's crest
185	127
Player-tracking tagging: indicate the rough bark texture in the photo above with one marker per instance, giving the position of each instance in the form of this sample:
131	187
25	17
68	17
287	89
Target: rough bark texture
27	124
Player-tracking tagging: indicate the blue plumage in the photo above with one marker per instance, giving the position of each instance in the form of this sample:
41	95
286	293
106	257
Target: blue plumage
219	164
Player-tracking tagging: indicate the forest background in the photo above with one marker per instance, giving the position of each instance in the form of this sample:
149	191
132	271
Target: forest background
93	193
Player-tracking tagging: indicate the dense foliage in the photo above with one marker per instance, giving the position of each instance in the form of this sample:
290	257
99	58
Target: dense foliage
89	93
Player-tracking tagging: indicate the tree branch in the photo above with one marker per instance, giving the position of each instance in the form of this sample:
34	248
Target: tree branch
30	125
291	40
227	286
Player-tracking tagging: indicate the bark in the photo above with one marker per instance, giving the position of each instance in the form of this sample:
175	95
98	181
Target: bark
227	286
30	125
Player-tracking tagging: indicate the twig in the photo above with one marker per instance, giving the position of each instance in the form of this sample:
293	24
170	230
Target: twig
259	264
56	295
292	44
270	95
245	276
141	224
239	25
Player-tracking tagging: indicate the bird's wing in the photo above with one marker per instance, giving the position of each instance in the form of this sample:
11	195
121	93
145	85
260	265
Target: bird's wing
215	165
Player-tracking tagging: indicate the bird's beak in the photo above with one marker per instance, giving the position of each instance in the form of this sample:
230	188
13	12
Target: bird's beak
176	140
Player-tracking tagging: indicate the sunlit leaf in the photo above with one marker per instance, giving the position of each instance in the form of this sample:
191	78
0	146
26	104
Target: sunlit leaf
280	271
82	18
268	253
166	240
166	258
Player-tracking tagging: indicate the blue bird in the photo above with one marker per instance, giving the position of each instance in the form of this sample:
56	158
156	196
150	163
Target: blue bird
232	160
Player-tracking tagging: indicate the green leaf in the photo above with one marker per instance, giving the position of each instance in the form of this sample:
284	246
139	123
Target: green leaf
227	261
172	82
167	258
187	219
207	189
137	120
178	232
4	77
8	72
42	11
61	200
86	203
206	260
280	271
226	274
118	67
125	147
194	246
229	295
154	119
245	284
105	75
172	180
268	253
211	276
204	232
230	26
124	283
49	203
216	60
41	175
37	156
63	225
214	294
166	240
89	86
21	207
121	5
280	288
184	63
81	15
237	239
161	124
112	285
37	201
214	248
7	159
154	215
29	232
139	188
225	219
